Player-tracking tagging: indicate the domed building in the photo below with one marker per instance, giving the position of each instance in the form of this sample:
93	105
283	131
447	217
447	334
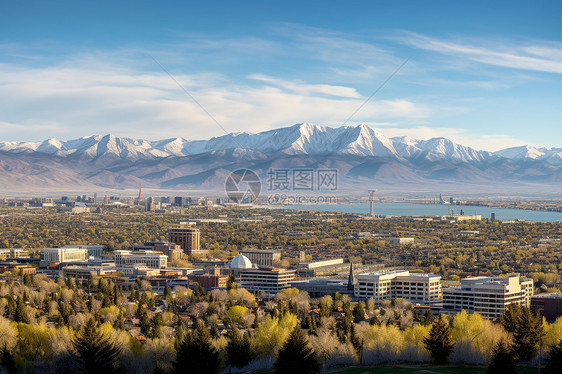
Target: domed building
241	262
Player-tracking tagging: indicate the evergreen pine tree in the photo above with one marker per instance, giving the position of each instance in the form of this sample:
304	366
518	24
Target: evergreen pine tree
374	321
439	343
427	318
527	335
359	311
94	352
120	321
145	324
297	356
510	317
502	359
167	292
554	359
215	333
7	361
20	314
195	353
238	349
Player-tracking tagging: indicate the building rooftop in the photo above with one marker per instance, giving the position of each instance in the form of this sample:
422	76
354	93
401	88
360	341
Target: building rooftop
241	262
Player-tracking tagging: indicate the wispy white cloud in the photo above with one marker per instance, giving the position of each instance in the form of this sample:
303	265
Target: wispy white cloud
308	89
529	55
119	99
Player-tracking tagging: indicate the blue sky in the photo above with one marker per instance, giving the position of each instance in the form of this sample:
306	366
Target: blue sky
484	75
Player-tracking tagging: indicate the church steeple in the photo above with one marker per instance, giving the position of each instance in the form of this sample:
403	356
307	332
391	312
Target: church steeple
351	278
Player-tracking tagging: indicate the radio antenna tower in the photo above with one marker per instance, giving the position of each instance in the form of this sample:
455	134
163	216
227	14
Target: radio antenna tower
372	201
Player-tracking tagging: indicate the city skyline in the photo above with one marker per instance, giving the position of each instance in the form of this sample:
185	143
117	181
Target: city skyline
484	75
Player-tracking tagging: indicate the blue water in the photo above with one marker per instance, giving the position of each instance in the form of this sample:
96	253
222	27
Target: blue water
410	209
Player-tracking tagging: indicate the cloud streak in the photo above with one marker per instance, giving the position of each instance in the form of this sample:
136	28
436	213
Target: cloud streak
534	57
135	103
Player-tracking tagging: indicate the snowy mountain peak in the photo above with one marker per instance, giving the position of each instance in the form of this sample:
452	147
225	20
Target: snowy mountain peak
299	139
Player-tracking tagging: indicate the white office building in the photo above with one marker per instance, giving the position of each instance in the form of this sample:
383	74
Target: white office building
65	254
151	259
488	296
391	284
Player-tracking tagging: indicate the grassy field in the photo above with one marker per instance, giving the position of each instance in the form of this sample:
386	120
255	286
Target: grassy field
422	369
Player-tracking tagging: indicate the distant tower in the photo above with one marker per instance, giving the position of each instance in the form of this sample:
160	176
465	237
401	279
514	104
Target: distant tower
95	197
372	201
105	200
140	193
493	217
350	278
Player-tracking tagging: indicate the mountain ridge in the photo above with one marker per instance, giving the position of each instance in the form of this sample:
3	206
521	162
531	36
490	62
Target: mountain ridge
362	154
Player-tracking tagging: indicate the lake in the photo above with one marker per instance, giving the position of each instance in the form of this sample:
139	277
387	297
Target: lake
411	209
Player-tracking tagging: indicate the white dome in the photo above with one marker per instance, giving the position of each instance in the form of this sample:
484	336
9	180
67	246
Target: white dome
241	262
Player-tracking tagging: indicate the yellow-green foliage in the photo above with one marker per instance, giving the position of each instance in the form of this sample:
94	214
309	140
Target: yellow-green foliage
414	336
272	333
553	333
387	339
236	313
289	291
241	296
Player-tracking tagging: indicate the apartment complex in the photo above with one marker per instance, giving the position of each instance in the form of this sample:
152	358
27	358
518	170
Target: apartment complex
488	296
391	284
262	257
187	238
151	259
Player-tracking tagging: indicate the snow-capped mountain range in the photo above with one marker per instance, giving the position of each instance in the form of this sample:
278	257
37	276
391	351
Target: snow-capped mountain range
362	153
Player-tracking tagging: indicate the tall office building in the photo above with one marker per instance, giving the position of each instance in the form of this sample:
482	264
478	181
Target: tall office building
186	238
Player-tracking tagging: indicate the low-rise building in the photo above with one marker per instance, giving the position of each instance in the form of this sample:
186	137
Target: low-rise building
548	305
267	280
209	281
81	272
61	255
151	259
9	253
319	287
488	296
262	257
400	241
391	284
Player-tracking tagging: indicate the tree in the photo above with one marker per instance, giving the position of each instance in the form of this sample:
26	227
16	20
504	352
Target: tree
554	360
527	335
297	356
94	351
510	318
502	359
196	354
359	311
238	349
439	343
428	318
20	314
